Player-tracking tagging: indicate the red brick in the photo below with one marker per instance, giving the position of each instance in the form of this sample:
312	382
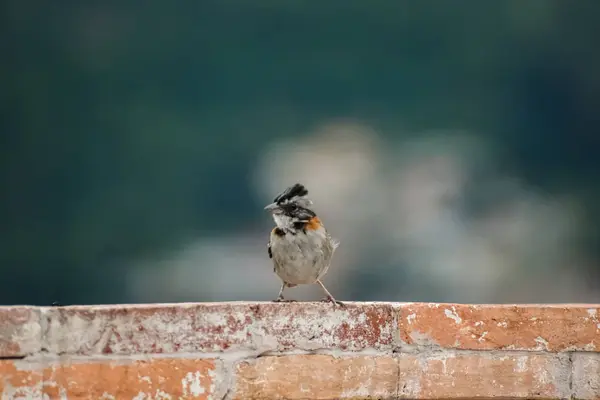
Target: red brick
309	326
20	380
20	331
213	327
586	376
484	375
489	327
152	379
317	377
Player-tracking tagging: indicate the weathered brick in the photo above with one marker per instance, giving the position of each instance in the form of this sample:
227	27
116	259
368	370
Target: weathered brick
317	377
20	331
20	380
152	379
484	375
309	326
586	376
488	327
213	327
516	353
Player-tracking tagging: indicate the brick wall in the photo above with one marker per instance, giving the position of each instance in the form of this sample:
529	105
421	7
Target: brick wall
300	351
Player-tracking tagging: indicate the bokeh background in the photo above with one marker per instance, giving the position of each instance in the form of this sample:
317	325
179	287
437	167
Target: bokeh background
452	147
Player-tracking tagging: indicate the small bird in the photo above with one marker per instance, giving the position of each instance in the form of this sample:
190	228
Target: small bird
299	245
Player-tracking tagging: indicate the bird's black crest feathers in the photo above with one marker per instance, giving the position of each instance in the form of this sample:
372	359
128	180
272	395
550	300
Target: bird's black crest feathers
291	192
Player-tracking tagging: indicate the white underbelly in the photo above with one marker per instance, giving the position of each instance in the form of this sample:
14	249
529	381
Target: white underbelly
299	259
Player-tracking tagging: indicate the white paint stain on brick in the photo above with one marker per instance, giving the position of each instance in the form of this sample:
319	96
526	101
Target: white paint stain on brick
521	364
542	343
422	339
76	335
23	393
411	318
362	392
593	313
214	380
192	384
317	330
160	395
29	337
453	315
411	388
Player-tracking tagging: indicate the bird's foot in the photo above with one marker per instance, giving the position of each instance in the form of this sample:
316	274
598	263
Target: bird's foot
330	299
282	300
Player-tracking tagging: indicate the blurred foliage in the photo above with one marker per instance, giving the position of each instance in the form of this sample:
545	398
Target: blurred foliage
126	125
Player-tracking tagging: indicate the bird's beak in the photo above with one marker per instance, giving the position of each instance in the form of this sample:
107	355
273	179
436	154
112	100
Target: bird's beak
271	207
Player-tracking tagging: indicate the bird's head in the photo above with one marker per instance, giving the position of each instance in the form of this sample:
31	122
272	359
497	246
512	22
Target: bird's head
291	205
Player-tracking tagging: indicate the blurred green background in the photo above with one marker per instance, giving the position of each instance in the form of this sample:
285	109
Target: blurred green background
452	147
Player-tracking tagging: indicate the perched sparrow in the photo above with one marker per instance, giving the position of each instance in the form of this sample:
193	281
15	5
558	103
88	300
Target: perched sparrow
299	245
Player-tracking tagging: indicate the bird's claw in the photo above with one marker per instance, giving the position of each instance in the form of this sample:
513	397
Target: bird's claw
282	300
329	299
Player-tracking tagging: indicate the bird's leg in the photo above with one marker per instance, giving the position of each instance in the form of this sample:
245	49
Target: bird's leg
280	298
328	295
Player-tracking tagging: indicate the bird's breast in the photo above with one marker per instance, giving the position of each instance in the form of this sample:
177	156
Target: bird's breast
301	256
